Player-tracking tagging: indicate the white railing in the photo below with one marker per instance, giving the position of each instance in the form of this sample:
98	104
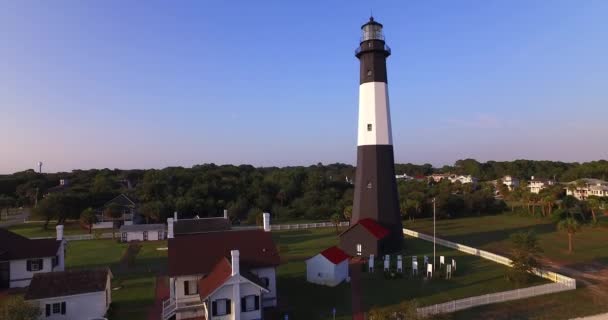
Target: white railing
88	236
308	225
561	282
471	302
169	308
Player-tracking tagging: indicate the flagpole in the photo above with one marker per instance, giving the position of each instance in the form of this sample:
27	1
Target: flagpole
434	262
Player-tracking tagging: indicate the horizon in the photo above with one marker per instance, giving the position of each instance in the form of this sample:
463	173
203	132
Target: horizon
114	85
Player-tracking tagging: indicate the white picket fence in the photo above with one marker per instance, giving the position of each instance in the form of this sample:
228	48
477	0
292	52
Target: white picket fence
78	237
308	225
561	282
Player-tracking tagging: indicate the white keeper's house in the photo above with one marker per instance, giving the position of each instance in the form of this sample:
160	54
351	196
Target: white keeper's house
329	268
21	258
71	295
143	232
227	275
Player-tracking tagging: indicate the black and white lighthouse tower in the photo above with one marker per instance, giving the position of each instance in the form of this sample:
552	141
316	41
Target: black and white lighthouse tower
376	203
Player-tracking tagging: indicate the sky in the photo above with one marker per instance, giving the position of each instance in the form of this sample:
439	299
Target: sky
134	84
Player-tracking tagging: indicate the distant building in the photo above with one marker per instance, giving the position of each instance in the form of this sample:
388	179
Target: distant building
143	232
510	182
403	177
22	258
329	268
128	208
588	187
63	185
71	295
464	179
537	184
437	177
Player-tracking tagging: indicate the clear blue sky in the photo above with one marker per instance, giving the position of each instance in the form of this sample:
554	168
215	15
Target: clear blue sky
94	84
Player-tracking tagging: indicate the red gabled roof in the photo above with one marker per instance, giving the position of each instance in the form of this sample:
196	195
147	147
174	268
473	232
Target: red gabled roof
215	279
335	255
372	227
199	253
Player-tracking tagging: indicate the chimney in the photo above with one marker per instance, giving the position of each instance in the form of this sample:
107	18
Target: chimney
266	217
235	261
225	214
175	215
170	234
59	229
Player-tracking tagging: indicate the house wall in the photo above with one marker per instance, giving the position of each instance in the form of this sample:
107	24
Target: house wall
139	235
358	234
20	277
177	291
268	299
226	292
78	307
321	271
102	225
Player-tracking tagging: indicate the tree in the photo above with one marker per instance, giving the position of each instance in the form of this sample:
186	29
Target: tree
335	220
524	251
88	217
152	210
5	203
348	212
571	226
15	308
595	205
48	208
113	211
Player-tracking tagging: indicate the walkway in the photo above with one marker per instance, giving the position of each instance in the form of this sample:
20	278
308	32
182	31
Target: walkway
161	293
355	266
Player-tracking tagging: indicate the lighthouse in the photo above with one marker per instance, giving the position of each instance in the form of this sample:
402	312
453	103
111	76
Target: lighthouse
376	226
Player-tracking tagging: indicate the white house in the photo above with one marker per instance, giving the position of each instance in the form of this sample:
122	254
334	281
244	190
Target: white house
21	258
510	182
588	187
71	295
464	179
142	232
329	268
128	209
227	275
536	185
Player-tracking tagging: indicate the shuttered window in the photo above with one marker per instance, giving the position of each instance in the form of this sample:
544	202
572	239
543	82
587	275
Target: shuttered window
250	303
221	307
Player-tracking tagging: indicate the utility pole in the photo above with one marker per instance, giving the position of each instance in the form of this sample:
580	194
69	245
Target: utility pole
434	262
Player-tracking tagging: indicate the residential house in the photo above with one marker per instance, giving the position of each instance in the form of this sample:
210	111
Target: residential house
464	179
437	177
221	275
537	184
142	232
587	187
21	258
329	267
511	182
71	295
128	209
404	177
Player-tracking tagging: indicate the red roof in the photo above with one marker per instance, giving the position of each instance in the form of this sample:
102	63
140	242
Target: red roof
199	253
335	255
215	279
372	227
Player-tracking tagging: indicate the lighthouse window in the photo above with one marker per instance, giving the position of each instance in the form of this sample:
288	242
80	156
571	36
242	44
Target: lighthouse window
369	184
369	72
369	127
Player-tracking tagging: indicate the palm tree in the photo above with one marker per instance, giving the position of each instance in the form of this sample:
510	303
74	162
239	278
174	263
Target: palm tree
571	226
594	205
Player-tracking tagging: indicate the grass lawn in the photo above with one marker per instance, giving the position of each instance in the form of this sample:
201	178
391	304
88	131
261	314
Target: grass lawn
492	233
475	276
36	229
136	282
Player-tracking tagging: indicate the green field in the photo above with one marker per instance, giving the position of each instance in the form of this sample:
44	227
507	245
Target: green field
492	233
36	229
475	276
135	282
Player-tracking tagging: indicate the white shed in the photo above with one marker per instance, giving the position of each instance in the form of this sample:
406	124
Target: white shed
71	295
142	232
330	267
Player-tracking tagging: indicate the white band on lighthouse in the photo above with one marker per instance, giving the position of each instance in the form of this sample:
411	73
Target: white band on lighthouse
374	115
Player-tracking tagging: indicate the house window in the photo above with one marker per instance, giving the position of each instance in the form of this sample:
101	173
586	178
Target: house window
250	303
55	308
220	307
359	249
124	237
369	127
145	235
34	265
190	288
